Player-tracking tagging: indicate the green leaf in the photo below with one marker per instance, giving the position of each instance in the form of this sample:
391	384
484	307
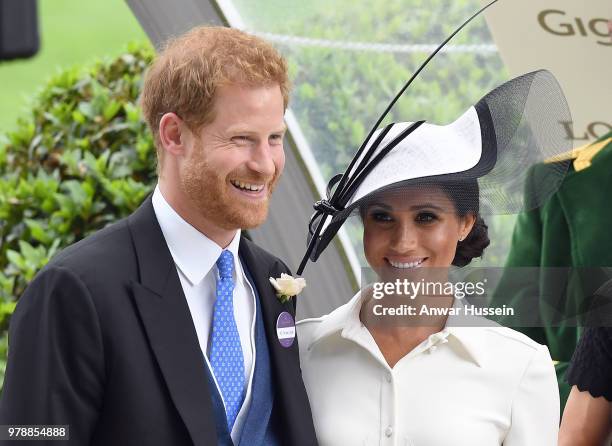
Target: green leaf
111	109
16	259
31	255
132	112
76	191
38	231
87	110
78	117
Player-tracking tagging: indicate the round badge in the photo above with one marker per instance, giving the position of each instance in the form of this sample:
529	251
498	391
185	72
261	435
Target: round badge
285	329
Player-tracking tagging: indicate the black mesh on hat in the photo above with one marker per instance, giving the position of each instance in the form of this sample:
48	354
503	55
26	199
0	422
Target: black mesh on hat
525	116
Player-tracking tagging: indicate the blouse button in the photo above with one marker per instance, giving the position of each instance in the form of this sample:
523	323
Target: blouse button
388	377
389	431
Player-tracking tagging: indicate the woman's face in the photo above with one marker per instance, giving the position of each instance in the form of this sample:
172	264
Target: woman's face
418	228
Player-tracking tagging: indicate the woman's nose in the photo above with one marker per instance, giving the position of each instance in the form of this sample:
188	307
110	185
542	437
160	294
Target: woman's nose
405	238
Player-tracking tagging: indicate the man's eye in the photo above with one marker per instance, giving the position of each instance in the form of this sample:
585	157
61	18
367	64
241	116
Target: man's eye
426	217
241	139
276	139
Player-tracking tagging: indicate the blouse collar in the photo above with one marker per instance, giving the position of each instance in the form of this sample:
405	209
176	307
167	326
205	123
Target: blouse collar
461	332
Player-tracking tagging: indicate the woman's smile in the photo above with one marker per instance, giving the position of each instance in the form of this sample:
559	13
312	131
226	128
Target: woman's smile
407	262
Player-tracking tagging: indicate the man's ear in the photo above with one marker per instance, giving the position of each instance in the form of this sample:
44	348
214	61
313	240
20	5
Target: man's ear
173	134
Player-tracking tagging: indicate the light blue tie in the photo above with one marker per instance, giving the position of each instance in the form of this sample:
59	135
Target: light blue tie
225	353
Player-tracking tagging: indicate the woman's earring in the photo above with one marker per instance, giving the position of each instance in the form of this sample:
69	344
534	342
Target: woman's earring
461	238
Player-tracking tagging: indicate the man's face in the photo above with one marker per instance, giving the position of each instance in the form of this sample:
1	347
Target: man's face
233	164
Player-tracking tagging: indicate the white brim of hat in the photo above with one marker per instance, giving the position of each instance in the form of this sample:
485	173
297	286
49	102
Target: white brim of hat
431	150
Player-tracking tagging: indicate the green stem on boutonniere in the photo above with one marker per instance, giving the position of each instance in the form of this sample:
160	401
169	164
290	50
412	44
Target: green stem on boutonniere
284	298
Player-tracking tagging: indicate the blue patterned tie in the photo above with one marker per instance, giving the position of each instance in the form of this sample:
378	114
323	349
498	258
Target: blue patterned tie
225	349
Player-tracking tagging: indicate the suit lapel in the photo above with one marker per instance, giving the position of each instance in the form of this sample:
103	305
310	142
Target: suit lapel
292	408
168	324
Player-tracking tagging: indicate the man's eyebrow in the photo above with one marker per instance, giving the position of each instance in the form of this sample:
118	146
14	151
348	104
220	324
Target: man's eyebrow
249	130
282	129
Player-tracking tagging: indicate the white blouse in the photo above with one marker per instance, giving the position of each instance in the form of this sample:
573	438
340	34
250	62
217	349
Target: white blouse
463	386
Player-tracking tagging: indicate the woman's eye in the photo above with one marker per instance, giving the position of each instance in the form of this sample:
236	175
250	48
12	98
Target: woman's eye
426	217
381	216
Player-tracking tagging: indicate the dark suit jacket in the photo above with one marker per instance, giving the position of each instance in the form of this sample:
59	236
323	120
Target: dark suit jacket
103	340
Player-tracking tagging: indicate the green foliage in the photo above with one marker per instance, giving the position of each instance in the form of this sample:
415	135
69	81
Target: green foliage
3	355
82	159
339	94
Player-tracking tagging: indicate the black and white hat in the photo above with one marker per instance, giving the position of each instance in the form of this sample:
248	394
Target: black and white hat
492	145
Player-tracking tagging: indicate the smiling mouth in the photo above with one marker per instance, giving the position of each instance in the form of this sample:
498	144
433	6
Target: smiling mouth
247	187
406	265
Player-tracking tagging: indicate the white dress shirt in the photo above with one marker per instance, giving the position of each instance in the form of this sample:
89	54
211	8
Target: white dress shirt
195	257
463	386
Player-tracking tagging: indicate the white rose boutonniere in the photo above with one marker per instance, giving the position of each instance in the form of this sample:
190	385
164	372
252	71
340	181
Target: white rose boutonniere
287	286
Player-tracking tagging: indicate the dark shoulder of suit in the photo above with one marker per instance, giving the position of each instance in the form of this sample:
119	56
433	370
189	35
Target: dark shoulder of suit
103	341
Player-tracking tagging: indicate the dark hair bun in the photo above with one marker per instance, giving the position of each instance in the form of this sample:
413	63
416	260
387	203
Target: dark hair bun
473	245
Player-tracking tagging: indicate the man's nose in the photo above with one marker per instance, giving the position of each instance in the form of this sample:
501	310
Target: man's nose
262	160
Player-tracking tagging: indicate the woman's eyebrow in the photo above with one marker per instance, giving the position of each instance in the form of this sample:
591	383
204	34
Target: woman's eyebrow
418	207
415	207
380	205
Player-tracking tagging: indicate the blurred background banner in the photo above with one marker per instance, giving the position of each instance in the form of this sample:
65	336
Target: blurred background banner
570	38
